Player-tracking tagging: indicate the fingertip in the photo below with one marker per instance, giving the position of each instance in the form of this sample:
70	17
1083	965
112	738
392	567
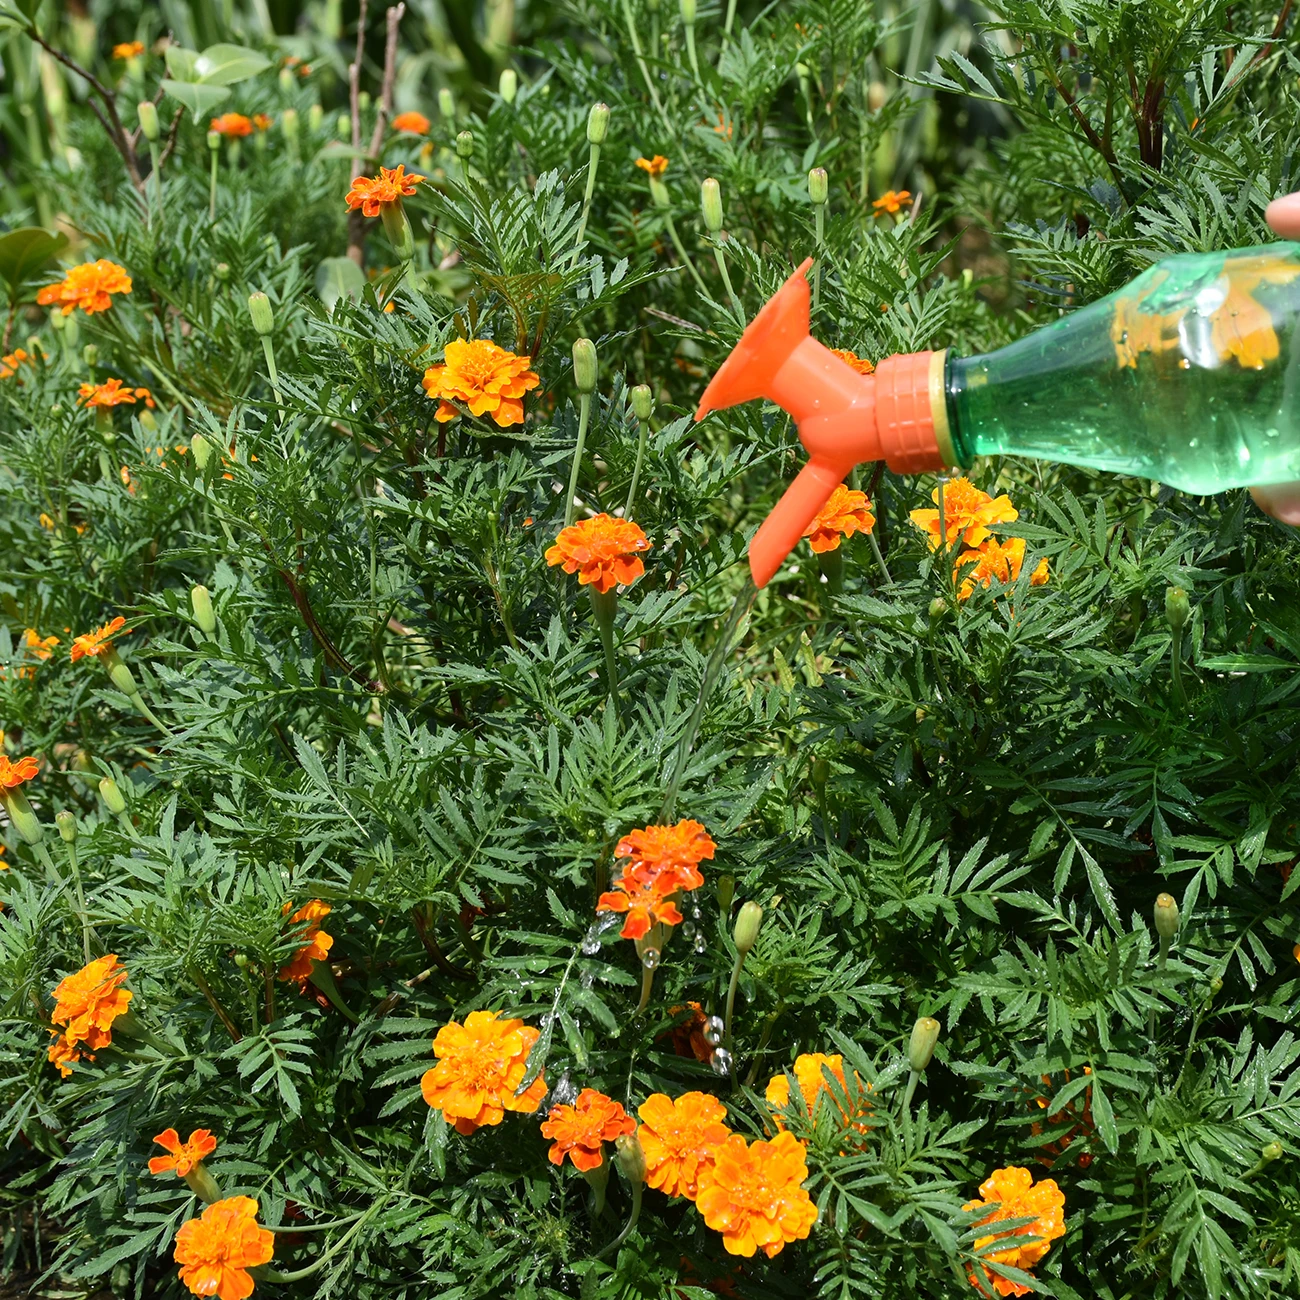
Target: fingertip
1283	216
1280	500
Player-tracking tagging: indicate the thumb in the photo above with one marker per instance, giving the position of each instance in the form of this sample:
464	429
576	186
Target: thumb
1281	500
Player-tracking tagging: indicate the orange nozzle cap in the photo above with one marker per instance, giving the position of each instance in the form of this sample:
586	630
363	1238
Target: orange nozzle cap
843	418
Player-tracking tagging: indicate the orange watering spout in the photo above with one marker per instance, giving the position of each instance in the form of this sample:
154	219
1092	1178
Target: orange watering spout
898	415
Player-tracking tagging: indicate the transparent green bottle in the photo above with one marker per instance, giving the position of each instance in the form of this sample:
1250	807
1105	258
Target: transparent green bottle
1189	375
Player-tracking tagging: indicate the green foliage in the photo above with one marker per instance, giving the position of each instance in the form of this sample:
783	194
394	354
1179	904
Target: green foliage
954	809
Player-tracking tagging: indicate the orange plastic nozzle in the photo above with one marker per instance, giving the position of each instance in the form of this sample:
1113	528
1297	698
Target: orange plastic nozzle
897	415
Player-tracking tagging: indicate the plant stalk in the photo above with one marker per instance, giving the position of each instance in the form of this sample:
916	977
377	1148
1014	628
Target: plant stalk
584	417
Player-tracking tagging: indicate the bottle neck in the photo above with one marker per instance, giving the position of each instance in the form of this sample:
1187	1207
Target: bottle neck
955	447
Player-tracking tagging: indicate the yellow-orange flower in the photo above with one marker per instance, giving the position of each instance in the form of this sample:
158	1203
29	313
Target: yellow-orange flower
1013	1194
808	1073
411	123
263	121
370	193
994	559
892	201
967	512
754	1195
85	1005
36	647
184	1155
216	1250
89	286
654	167
647	900
486	378
688	1036
235	125
112	392
602	551
97	642
855	362
680	1136
664	861
316	944
581	1130
847	512
11	361
128	50
13	775
480	1065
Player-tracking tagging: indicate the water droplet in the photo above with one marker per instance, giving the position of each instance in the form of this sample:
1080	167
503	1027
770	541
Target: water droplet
650	958
591	943
565	1093
701	943
713	1030
721	1062
688	929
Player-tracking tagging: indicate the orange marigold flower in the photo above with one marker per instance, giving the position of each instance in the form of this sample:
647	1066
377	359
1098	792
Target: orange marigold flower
647	900
97	642
754	1195
847	512
263	121
1013	1194
892	201
412	123
216	1250
680	849
128	50
36	647
112	392
487	378
994	559
655	166
808	1073
88	286
665	861
967	512
680	1137
13	775
602	551
316	943
851	359
10	362
235	125
85	1005
480	1065
688	1037
369	193
581	1130
184	1155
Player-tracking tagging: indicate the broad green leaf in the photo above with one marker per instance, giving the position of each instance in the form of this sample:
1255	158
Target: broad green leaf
180	62
24	252
339	277
223	65
200	100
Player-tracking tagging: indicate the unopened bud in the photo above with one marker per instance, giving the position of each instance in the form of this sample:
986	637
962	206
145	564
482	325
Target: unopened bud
508	86
631	1158
241	960
214	140
147	116
659	195
818	185
201	449
748	921
1166	913
397	226
584	365
1271	1151
820	774
286	81
222	271
1178	608
201	604
67	825
598	1180
465	145
877	96
315	116
259	308
711	204
920	1047
364	101
446	103
938	607
643	402
688	10
343	127
598	123
23	819
90	354
112	796
289	124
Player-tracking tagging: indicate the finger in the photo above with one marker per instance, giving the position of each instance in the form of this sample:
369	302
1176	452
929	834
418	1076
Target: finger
1281	500
1283	215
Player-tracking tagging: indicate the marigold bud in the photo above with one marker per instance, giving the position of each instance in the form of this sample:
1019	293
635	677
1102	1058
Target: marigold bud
465	146
147	116
748	921
1166	912
877	96
259	308
1178	608
659	195
1271	1151
112	796
584	365
201	604
364	101
598	123
202	451
711	204
22	817
343	127
508	85
631	1158
643	402
818	185
289	124
214	140
688	10
222	271
286	81
67	825
820	774
920	1047
938	607
446	103
315	116
90	354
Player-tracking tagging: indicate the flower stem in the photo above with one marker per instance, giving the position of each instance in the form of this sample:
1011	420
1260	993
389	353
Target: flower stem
592	164
222	1014
637	1189
910	1090
212	188
726	280
87	931
647	987
642	435
271	370
273	1275
681	252
690	51
726	27
1176	665
731	998
641	63
819	226
584	416
155	183
880	559
604	604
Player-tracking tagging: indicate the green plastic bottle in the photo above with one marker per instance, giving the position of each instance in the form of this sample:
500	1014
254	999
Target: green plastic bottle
1189	375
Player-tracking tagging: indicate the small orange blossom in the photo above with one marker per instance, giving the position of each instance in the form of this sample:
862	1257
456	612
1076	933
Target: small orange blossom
128	50
602	551
183	1155
892	201
485	377
411	123
754	1195
216	1250
89	286
994	559
97	642
85	1005
967	512
846	512
235	125
680	1136
581	1130
1013	1194
851	359
653	167
370	193
316	943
